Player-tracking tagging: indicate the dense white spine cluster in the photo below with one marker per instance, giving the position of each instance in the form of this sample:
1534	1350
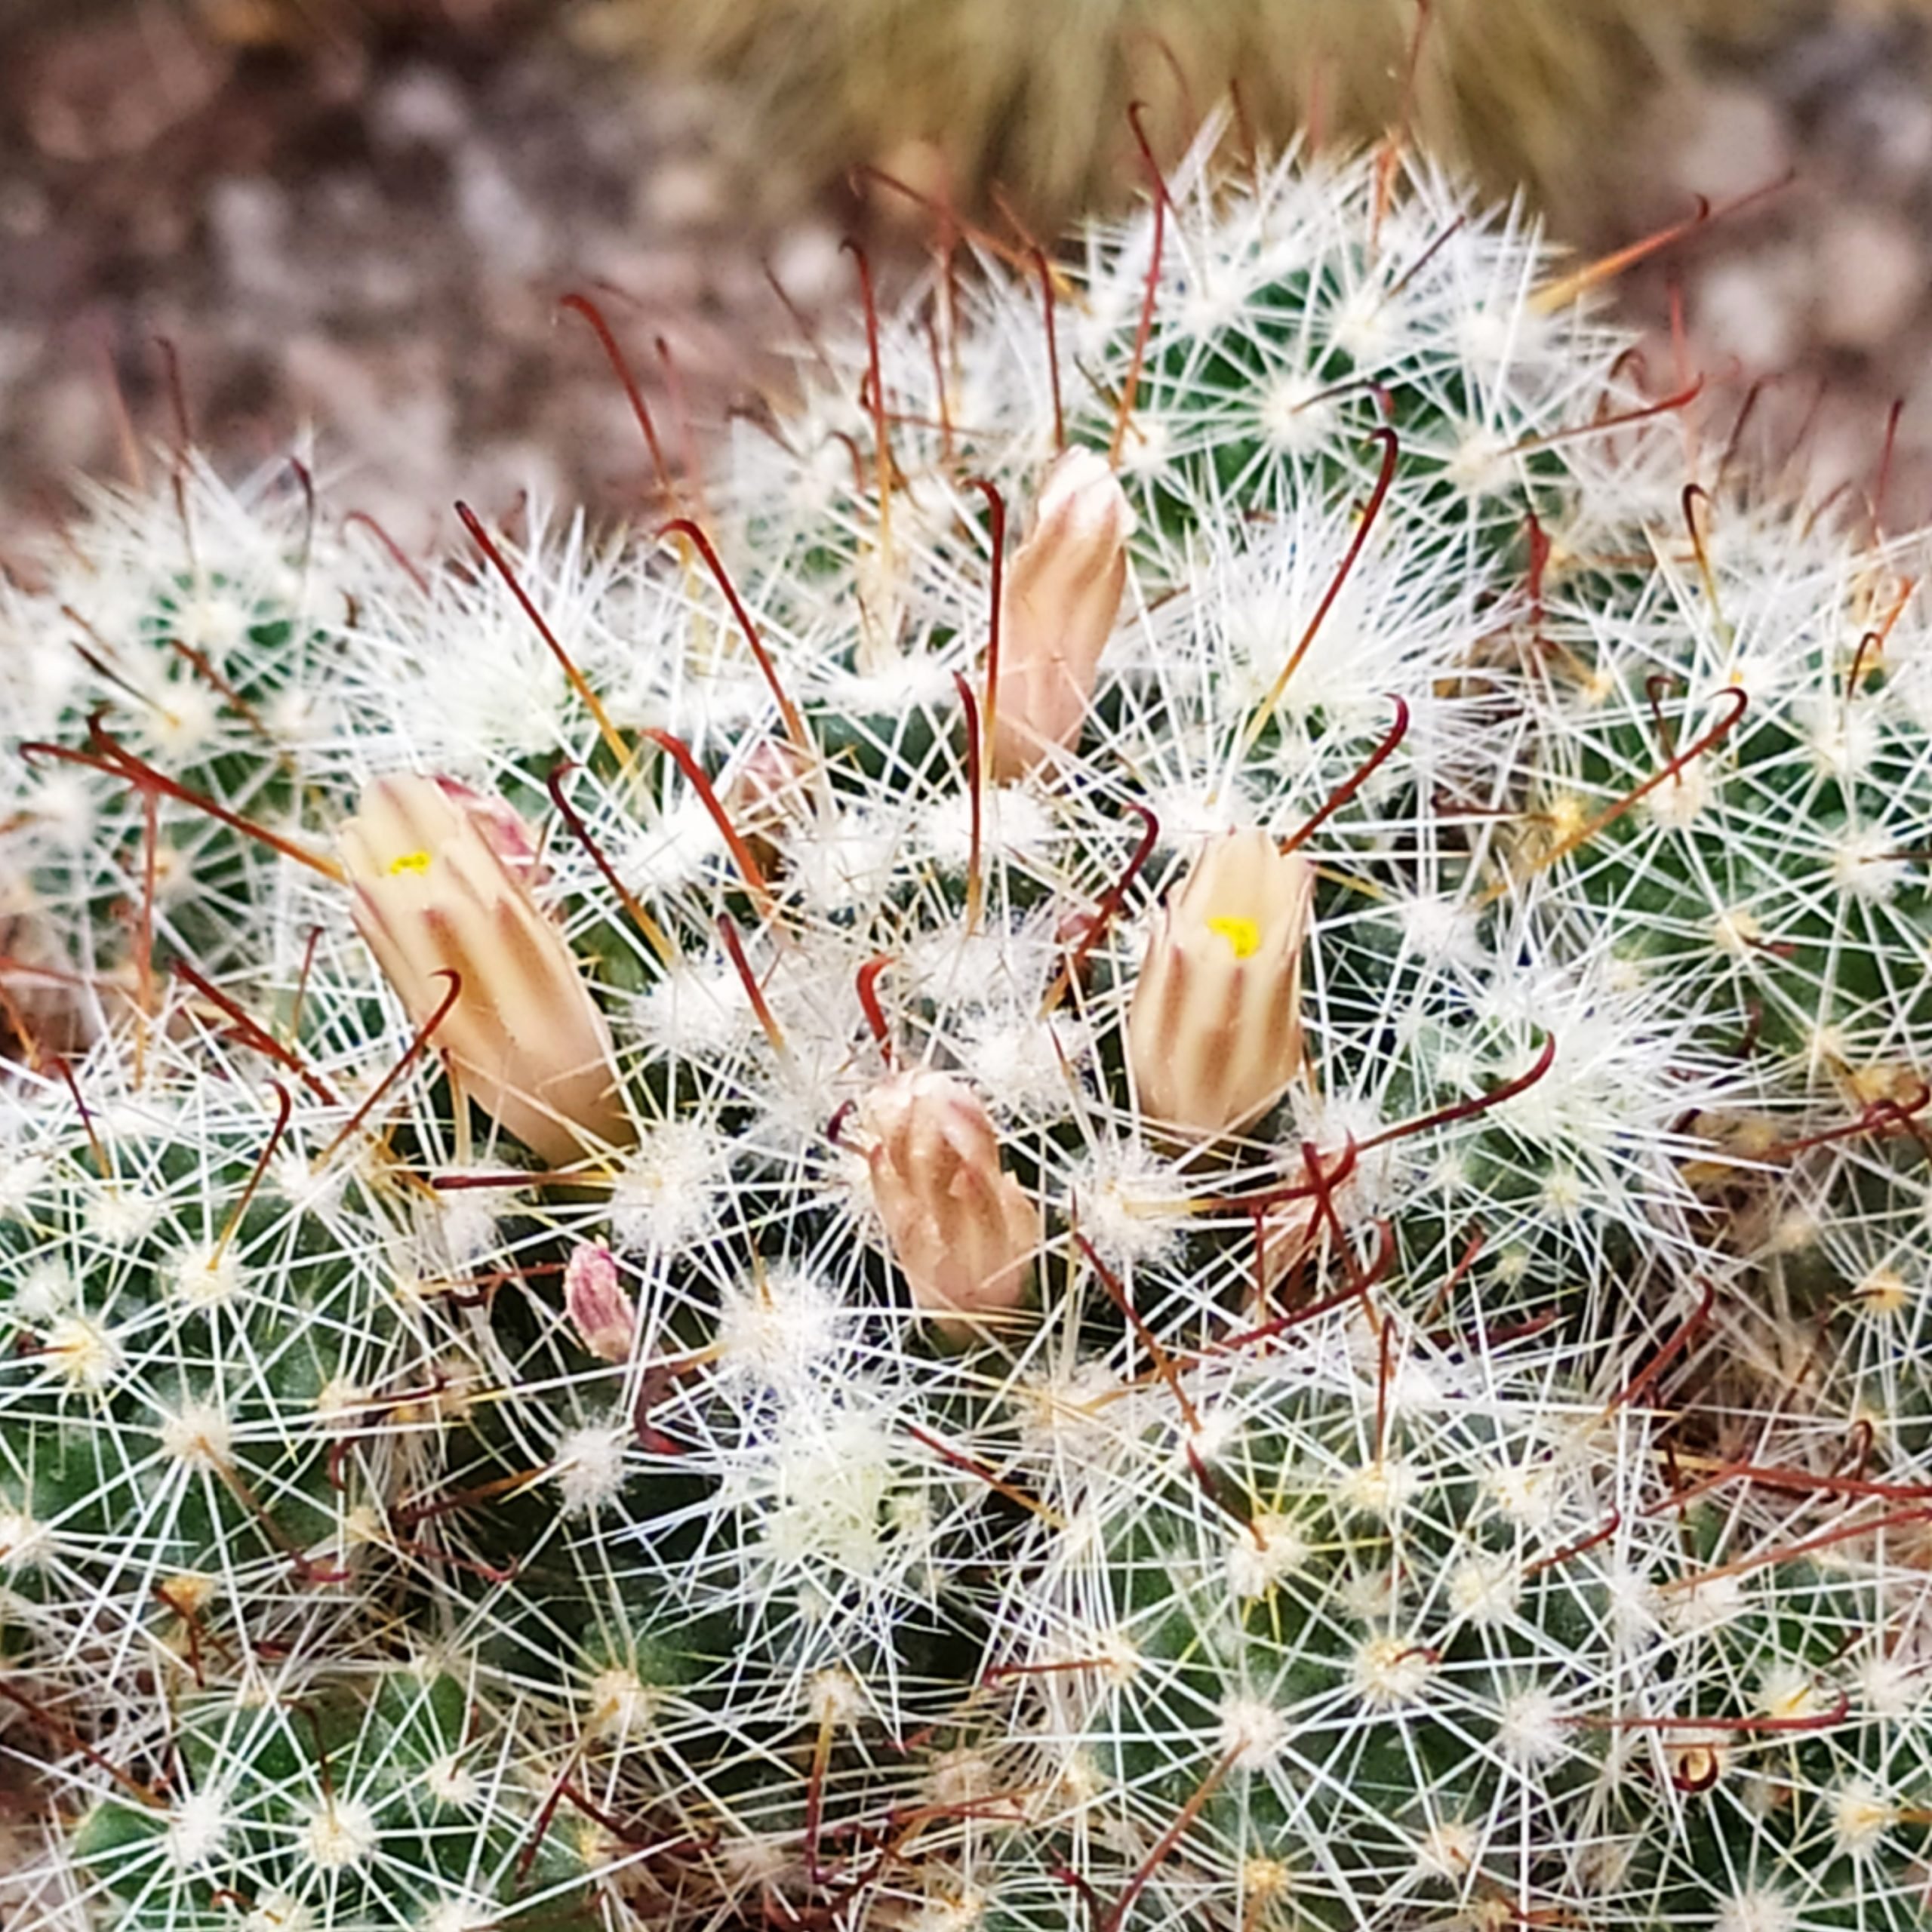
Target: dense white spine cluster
1261	1264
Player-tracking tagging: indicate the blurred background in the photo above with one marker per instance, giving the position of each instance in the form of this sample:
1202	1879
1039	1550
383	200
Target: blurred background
362	214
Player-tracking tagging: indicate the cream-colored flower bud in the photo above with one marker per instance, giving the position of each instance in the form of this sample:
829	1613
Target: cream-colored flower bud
1213	1028
435	893
600	1311
1057	608
960	1227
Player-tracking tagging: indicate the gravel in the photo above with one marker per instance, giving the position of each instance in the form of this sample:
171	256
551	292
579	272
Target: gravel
378	246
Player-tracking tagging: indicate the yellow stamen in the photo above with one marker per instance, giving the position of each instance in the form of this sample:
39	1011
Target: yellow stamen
1243	935
409	862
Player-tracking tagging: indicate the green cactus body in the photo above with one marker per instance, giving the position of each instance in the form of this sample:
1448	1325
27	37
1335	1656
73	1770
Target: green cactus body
1261	1266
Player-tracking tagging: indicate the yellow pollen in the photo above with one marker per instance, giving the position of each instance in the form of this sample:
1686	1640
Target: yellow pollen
1243	935
409	862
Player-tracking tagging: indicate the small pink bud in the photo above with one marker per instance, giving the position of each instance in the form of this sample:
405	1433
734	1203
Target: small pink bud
1290	1236
961	1228
594	1298
433	893
1213	1028
1057	609
766	798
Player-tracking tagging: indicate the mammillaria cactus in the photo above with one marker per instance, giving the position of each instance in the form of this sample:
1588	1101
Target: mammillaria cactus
1295	1303
183	658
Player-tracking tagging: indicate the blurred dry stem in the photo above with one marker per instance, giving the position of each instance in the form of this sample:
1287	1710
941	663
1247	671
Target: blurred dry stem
365	211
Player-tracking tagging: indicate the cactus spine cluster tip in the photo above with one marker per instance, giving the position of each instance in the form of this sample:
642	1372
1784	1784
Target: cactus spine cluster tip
1144	1144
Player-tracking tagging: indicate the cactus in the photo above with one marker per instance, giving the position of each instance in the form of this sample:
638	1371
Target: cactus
1177	1177
187	650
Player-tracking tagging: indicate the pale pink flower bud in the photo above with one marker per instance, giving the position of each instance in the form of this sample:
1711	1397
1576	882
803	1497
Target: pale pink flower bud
434	894
1294	1233
766	798
1057	608
1213	1028
594	1298
960	1226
